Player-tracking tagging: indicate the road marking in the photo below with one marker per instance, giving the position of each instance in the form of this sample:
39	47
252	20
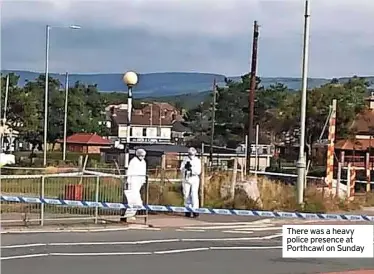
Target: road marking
227	226
244	247
259	228
142	242
161	252
63	231
78	230
190	230
172	251
116	243
23	246
223	239
272	236
100	254
238	232
24	256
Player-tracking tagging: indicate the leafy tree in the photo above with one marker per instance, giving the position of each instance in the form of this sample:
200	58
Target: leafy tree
350	101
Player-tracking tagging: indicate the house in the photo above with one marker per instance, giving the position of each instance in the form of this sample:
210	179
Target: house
164	109
146	127
356	148
86	143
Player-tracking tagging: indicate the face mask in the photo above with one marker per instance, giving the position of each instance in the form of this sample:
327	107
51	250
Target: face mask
140	158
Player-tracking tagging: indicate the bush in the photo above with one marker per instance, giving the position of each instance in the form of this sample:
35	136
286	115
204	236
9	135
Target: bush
275	196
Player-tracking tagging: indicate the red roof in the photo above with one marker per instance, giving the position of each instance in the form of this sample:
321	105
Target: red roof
87	139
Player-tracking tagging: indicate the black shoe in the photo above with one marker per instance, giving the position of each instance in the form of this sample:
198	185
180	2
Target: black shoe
187	214
195	215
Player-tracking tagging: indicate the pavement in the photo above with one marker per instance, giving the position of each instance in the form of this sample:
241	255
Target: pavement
177	245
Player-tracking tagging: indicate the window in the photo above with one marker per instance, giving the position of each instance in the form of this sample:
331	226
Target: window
131	132
158	132
144	132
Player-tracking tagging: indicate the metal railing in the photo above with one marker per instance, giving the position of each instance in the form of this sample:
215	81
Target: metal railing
93	188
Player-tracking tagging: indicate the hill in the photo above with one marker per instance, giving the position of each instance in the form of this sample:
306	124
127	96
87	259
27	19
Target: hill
168	84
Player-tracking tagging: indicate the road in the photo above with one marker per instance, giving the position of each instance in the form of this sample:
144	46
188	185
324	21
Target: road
164	251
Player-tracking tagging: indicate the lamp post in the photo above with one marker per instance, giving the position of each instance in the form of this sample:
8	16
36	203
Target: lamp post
65	114
301	163
130	78
47	34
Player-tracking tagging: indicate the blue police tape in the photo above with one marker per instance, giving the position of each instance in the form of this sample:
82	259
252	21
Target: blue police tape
162	208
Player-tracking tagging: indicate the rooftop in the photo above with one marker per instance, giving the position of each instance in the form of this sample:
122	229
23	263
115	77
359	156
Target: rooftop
86	139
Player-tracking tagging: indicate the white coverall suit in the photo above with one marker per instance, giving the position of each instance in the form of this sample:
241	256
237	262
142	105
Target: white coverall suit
191	181
136	177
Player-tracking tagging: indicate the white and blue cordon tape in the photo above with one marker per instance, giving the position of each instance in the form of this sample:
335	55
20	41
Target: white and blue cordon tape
163	208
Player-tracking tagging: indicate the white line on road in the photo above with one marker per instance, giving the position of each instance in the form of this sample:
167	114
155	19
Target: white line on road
22	246
259	229
238	232
23	256
116	243
79	230
272	236
223	239
64	230
181	250
161	252
142	242
190	230
244	247
228	226
101	254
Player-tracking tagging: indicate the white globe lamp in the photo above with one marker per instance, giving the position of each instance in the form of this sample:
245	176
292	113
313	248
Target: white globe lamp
130	78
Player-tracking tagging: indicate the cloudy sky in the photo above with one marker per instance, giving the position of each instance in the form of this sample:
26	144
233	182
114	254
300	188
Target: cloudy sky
188	35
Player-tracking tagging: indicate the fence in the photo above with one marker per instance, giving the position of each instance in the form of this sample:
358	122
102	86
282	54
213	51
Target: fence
164	188
61	186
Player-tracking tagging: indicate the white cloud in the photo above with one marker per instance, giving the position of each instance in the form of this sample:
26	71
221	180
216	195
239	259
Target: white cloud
341	30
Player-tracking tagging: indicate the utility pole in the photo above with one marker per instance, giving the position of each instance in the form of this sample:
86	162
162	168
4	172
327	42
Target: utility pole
251	98
301	163
65	114
213	121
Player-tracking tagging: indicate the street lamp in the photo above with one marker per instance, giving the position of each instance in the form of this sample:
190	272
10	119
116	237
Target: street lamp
130	78
48	30
301	163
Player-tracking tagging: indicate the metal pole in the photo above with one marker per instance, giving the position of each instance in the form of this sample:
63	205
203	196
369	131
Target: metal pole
6	98
252	89
42	194
202	177
338	179
97	188
65	114
301	163
127	144
213	121
246	155
1	126
257	133
48	28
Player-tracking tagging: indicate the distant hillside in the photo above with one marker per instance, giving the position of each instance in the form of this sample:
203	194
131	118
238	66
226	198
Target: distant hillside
168	84
150	84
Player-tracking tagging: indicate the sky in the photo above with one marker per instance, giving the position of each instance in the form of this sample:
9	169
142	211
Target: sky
188	36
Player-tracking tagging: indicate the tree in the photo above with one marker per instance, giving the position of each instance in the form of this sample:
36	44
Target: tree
350	101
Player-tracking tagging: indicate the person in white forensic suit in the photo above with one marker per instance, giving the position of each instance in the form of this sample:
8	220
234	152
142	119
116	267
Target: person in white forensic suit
136	178
191	170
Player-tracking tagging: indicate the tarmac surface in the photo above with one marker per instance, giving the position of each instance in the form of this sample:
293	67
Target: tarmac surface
200	246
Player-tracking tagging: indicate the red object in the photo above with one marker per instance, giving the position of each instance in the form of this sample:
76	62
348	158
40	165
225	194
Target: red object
86	139
74	192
